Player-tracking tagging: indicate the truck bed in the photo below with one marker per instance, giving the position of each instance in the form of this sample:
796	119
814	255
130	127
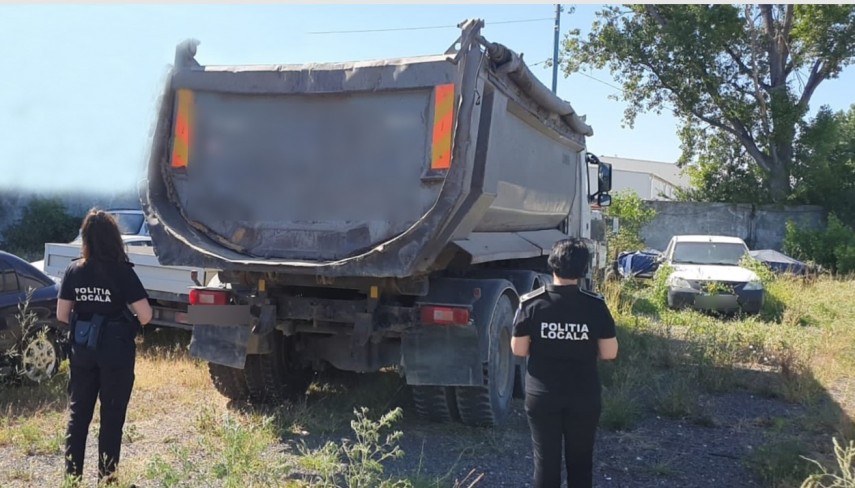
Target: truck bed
161	282
388	168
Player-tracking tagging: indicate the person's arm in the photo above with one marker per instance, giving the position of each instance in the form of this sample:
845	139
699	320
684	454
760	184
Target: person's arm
608	348
521	340
520	345
66	296
607	342
136	296
142	310
63	310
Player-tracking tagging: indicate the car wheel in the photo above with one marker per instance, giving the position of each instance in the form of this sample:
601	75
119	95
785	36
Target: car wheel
40	356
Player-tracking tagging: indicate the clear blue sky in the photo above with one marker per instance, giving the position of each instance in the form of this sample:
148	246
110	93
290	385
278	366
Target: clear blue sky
79	83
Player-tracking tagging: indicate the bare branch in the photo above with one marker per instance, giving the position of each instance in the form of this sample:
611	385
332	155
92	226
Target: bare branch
761	100
776	61
788	20
750	144
744	69
817	74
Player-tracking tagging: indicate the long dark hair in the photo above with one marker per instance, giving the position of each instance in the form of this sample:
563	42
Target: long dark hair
102	240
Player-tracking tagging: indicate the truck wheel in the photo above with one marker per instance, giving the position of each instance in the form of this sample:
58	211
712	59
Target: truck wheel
488	405
230	382
436	403
269	377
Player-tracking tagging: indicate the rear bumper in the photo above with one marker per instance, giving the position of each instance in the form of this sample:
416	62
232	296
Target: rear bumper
750	301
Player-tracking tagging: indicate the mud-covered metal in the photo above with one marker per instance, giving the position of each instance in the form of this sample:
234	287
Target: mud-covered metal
325	169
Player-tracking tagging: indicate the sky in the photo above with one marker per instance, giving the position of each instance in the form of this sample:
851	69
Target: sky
79	83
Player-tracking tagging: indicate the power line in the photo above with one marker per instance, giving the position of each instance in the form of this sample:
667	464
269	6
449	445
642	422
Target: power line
617	88
601	81
433	27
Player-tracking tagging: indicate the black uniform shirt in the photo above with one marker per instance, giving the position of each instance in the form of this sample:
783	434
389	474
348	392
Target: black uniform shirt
100	287
564	324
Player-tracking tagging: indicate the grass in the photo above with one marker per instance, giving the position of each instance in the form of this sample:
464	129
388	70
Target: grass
798	349
181	433
781	463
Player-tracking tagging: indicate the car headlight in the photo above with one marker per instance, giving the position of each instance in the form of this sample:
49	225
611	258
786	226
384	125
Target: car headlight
753	286
680	283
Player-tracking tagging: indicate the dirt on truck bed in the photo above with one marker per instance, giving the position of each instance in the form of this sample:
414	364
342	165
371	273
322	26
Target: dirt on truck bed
181	432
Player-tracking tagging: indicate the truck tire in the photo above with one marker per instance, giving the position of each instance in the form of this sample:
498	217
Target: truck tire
269	377
230	382
436	403
489	405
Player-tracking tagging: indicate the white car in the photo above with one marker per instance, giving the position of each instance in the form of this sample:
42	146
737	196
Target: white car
707	275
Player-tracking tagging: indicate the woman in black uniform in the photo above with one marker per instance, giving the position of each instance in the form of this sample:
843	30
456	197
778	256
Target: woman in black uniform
93	299
564	330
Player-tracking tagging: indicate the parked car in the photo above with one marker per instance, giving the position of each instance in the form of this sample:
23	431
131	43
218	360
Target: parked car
706	275
34	352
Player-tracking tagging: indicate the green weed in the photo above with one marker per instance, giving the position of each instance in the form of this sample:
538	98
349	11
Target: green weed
781	464
840	476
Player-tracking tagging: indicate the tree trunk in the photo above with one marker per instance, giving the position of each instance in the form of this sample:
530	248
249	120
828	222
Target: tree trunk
778	181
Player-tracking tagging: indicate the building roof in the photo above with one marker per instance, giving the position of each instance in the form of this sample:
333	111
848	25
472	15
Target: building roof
668	172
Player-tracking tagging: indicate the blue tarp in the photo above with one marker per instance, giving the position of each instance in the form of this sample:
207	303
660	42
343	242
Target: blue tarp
639	263
779	262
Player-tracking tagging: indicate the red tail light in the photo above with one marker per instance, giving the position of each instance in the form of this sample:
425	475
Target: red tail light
208	297
432	315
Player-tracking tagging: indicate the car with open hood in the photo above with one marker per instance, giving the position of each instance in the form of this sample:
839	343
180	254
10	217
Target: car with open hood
706	274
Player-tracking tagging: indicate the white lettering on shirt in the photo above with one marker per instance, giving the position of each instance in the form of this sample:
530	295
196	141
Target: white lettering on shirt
92	294
564	332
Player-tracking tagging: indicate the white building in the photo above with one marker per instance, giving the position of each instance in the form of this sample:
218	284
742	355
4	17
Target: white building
651	180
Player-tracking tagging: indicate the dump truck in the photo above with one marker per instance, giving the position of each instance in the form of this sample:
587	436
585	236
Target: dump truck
368	216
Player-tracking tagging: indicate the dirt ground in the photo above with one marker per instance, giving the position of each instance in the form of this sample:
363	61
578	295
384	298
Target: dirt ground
173	398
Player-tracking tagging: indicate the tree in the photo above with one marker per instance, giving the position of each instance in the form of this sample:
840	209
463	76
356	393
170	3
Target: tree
744	74
824	170
723	172
42	220
632	215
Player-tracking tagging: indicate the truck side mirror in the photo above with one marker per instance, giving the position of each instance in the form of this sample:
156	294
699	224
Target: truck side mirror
604	178
604	199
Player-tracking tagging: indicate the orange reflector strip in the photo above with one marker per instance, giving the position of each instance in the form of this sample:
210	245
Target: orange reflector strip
183	129
443	119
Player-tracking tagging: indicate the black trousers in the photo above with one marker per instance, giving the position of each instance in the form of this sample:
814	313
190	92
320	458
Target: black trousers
568	423
108	373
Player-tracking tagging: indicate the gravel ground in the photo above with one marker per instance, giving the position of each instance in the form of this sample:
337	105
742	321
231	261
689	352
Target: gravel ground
658	452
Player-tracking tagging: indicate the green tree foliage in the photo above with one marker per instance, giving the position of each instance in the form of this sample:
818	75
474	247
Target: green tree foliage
632	215
824	172
42	220
724	172
832	247
744	74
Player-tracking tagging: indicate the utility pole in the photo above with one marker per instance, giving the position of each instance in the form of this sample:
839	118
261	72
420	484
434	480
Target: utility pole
558	11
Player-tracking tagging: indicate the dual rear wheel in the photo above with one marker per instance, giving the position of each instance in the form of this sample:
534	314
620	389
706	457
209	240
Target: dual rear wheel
266	378
270	378
487	404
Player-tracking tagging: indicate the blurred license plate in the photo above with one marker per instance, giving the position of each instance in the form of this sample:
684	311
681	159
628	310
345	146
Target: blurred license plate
716	302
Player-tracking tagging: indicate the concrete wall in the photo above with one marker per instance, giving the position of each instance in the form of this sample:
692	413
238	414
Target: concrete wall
762	227
12	203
